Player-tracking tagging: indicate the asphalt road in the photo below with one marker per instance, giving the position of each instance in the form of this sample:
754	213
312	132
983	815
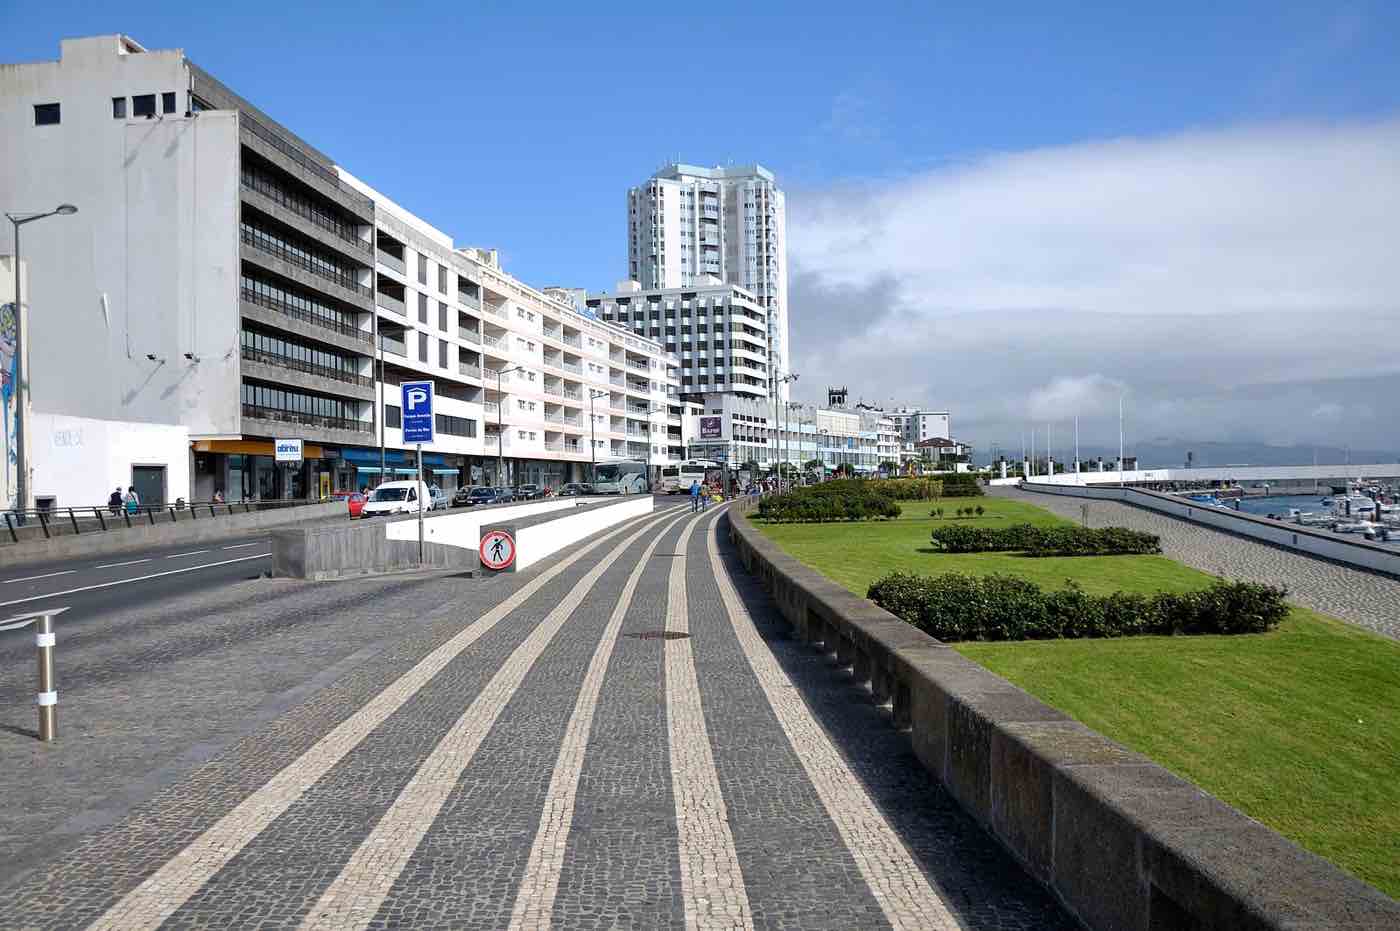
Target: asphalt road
92	586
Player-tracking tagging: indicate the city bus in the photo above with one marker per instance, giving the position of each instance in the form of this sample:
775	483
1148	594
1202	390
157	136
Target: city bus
621	477
678	478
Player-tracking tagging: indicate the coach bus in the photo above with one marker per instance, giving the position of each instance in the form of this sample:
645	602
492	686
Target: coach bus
621	477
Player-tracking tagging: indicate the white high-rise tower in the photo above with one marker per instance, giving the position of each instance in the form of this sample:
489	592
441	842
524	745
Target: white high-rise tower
686	223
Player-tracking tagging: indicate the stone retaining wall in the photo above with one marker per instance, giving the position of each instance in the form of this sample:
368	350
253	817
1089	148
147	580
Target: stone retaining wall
361	547
1121	841
1356	552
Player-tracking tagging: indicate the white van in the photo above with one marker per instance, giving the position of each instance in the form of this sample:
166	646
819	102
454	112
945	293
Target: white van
408	497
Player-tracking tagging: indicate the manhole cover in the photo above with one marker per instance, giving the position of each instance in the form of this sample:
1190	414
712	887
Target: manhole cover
658	635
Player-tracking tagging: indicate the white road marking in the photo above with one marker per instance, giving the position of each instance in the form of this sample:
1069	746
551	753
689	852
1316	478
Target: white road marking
139	578
239	546
183	555
31	578
113	565
712	885
353	899
534	903
165	890
889	870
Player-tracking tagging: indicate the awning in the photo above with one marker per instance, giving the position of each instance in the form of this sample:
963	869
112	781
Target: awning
252	448
442	471
374	470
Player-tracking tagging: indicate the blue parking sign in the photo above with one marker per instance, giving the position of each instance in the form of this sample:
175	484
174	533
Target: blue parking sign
417	411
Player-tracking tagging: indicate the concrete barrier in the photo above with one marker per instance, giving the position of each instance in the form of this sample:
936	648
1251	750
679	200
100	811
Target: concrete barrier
1122	842
537	541
463	528
351	548
184	530
1358	553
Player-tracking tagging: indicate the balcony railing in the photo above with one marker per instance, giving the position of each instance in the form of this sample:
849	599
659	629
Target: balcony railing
493	310
297	313
471	371
291	151
470	335
291	258
617	380
391	303
495	342
574	367
554	418
311	420
575	341
553	389
466	300
388	261
308	368
573	394
490	407
573	421
283	199
396	346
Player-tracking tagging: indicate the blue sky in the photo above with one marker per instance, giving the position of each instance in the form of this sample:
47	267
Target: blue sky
1002	215
523	130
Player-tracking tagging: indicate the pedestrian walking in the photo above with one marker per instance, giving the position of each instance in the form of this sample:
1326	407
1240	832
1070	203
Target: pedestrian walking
218	496
114	501
694	495
133	501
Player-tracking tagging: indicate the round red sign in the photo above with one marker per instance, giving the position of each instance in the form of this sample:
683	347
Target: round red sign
497	550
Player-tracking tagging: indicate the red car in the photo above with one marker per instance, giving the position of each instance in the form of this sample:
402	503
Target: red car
356	502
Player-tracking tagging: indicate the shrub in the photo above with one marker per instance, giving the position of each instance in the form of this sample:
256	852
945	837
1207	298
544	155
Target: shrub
908	489
959	484
956	607
1067	540
828	501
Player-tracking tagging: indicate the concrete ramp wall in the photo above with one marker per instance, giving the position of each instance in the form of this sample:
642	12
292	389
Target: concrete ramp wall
463	528
538	541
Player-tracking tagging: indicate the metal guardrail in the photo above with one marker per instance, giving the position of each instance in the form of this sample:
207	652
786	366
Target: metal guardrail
47	699
57	521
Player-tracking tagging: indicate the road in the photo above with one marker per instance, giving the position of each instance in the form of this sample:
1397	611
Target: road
93	586
625	737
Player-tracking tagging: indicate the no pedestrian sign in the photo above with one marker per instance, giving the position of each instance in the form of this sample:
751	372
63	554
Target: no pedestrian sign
497	550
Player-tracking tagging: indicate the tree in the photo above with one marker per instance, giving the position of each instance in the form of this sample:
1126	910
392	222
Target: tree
846	470
750	467
889	467
980	510
812	465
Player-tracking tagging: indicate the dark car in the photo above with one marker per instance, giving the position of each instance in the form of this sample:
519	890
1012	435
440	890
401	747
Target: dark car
483	496
504	494
462	496
528	492
577	488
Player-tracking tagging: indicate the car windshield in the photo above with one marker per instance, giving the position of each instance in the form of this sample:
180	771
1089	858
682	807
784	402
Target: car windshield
389	494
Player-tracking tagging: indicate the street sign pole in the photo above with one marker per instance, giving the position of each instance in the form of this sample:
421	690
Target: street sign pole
421	488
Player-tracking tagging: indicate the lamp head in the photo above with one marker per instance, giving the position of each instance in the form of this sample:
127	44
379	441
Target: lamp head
66	210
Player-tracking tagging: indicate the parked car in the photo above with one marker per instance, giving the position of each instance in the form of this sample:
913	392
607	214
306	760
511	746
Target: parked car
483	495
528	492
355	502
577	488
439	499
408	497
504	494
462	497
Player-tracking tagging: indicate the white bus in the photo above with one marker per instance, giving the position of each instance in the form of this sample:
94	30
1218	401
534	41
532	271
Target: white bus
678	478
621	477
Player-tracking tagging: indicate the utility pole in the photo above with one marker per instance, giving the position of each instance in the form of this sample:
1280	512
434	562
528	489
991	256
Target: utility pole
592	441
1120	440
22	362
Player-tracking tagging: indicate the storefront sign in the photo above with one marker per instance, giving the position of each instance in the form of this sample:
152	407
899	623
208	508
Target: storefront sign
287	450
711	428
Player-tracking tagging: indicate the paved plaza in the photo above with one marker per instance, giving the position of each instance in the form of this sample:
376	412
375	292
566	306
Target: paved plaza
626	738
1366	599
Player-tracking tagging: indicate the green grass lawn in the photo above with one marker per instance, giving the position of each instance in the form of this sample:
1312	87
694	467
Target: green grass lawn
1299	728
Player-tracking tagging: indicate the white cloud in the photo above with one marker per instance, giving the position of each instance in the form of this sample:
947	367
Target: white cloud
1212	273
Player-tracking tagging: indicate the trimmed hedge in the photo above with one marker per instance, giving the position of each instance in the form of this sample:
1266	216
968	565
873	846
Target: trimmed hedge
1064	540
959	484
955	607
829	501
908	489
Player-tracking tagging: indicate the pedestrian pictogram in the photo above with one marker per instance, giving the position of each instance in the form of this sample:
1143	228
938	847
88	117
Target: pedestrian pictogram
497	550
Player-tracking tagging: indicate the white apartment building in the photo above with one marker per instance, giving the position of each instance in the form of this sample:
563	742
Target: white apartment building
916	424
222	285
686	222
734	430
719	332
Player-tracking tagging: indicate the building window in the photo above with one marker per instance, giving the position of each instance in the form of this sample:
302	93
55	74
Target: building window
423	347
442	354
455	426
167	102
422	308
442	316
46	114
143	105
118	108
392	416
422	269
442	279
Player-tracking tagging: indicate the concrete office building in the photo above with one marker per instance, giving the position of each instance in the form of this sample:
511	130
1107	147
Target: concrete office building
685	223
719	332
735	430
217	290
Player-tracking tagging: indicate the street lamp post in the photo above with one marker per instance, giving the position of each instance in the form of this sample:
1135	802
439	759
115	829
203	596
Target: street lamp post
21	362
592	441
500	403
778	438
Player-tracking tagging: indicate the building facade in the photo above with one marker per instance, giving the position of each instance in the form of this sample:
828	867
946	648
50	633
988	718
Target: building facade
685	223
223	285
718	332
735	430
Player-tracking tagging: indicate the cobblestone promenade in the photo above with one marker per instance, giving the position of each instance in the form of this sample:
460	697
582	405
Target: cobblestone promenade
520	752
1364	598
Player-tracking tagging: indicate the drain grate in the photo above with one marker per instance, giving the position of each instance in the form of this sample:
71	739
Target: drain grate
658	635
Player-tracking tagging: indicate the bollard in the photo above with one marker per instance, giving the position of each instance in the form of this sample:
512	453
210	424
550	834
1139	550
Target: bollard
48	692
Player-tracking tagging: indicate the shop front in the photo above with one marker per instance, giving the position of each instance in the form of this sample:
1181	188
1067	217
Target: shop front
357	469
247	470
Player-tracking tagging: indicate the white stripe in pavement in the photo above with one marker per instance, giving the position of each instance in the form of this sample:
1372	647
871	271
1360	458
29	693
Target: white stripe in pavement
239	546
712	885
31	578
113	565
534	903
183	555
889	870
165	890
353	899
139	578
